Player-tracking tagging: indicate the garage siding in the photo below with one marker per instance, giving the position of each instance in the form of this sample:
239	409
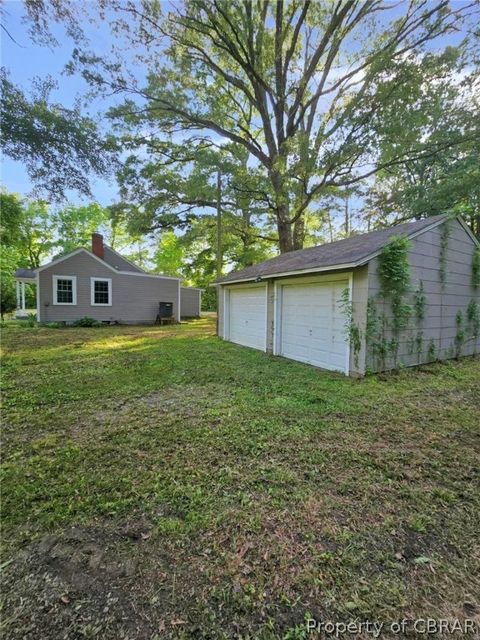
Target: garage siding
443	300
220	310
359	312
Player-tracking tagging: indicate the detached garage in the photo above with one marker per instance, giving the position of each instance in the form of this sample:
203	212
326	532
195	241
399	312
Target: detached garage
332	306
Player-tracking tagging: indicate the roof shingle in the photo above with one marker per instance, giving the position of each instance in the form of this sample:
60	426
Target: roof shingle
350	251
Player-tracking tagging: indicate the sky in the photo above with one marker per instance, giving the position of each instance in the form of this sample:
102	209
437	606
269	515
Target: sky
26	60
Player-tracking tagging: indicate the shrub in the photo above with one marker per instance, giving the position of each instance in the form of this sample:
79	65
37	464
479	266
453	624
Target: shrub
87	322
8	300
31	320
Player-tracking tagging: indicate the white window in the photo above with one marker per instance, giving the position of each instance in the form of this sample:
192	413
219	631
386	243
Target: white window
65	290
101	292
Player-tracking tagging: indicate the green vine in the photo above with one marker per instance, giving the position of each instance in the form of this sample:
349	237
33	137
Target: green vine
460	335
473	320
444	237
372	321
394	272
352	331
419	302
476	268
419	344
432	350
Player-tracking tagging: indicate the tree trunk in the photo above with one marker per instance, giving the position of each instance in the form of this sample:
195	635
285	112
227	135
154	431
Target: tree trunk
219	251
285	239
284	226
299	233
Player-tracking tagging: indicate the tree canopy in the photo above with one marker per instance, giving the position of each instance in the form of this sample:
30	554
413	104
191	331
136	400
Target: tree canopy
307	89
60	148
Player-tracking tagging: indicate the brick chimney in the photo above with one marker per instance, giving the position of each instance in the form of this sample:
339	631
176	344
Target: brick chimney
97	245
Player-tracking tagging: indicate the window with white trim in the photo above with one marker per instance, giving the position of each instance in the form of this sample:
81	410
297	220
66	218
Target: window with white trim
101	292
65	290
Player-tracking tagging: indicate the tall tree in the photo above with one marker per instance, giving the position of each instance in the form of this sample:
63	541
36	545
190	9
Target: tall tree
305	87
171	187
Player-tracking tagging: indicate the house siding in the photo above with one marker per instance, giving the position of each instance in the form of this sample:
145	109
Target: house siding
442	300
134	298
190	302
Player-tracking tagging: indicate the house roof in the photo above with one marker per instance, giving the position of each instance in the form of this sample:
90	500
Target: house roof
347	253
67	256
27	274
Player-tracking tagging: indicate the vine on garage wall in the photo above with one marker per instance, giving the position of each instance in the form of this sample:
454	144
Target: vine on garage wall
352	330
394	273
395	312
460	335
473	321
432	350
419	302
476	268
444	237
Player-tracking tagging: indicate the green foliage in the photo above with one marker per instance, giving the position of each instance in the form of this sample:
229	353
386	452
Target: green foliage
11	217
209	299
257	87
352	331
87	322
448	180
372	321
432	350
476	268
460	335
8	299
58	147
444	237
419	344
419	302
31	320
394	273
74	225
473	318
169	256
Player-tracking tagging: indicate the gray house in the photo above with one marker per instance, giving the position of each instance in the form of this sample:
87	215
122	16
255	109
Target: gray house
104	285
334	307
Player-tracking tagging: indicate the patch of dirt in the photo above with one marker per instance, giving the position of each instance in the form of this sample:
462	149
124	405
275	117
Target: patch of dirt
120	582
81	583
190	402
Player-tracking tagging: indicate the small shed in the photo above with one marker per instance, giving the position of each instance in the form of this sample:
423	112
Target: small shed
400	296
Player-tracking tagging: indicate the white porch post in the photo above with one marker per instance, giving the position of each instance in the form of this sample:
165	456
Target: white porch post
17	283
23	296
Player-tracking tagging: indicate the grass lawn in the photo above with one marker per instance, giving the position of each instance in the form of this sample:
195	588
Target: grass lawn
160	483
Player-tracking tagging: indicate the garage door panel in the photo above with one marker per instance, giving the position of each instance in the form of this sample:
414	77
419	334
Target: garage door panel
247	317
312	324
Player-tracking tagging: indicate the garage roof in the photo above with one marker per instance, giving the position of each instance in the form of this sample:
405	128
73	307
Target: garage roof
351	252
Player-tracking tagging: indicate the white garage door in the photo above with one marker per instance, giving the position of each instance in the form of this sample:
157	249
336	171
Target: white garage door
312	324
247	316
